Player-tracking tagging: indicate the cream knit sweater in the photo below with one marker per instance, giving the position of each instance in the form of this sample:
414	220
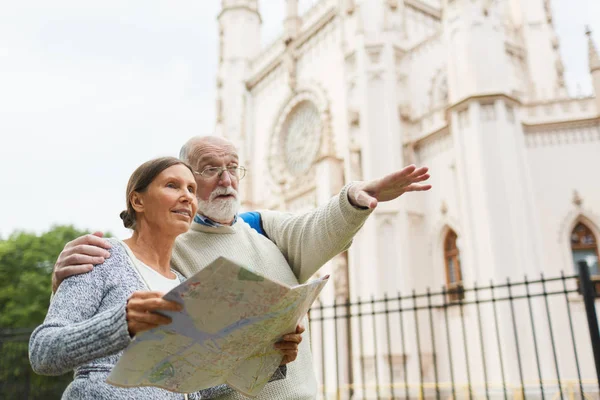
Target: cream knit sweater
296	247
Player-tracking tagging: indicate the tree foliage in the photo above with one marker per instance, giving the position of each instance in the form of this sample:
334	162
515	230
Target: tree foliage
26	262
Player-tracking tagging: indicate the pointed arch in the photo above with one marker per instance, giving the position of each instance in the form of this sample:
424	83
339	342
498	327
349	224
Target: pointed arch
452	258
452	265
584	246
578	214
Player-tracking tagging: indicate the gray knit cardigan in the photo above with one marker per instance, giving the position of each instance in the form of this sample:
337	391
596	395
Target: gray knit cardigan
86	330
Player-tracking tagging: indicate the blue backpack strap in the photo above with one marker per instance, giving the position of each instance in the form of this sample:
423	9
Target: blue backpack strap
252	218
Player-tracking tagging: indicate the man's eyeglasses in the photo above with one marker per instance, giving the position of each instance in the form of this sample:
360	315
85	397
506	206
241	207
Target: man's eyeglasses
234	171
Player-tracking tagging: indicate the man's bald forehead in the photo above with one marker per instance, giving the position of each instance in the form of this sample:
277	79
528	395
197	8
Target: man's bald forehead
201	147
211	140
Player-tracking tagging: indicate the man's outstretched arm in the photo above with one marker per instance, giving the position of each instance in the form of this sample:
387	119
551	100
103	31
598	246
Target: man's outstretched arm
311	239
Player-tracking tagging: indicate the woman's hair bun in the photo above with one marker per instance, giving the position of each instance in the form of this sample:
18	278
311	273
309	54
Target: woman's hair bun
128	220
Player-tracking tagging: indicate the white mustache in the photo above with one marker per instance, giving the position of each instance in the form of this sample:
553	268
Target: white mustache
223	190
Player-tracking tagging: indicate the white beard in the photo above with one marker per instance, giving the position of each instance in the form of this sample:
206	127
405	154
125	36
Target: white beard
220	209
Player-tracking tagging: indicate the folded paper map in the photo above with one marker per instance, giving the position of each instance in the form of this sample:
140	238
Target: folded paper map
225	334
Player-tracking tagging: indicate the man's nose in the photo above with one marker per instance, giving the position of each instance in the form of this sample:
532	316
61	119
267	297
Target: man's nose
225	179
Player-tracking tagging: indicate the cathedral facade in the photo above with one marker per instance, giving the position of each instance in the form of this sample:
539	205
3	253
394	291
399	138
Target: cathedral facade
473	89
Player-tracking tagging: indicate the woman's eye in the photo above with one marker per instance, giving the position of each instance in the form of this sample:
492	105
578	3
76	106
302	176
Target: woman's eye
171	185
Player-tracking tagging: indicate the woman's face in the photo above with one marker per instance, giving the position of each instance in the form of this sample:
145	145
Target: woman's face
169	204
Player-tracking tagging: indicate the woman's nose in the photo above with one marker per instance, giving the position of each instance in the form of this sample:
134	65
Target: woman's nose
188	196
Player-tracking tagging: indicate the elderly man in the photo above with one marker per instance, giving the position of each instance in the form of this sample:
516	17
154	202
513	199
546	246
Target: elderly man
290	249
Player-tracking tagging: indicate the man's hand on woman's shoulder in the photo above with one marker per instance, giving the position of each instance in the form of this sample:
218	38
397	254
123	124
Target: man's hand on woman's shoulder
80	256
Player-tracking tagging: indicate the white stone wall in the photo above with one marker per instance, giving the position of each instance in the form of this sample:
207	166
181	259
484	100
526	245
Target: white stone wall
424	68
384	90
265	102
565	161
441	209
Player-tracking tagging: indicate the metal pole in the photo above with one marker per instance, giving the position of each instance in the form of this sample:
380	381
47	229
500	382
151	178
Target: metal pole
588	292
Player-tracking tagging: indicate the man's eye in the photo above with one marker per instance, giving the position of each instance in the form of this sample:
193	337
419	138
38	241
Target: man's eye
211	171
191	189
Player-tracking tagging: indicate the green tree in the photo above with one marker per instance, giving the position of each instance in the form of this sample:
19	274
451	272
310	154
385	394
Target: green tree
26	262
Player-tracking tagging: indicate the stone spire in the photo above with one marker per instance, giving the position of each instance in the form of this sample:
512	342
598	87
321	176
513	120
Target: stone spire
292	21
239	25
594	61
593	57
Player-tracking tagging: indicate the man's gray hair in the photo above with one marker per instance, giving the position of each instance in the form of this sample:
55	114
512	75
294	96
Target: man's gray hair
184	153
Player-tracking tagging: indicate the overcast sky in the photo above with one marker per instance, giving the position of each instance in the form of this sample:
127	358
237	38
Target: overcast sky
91	89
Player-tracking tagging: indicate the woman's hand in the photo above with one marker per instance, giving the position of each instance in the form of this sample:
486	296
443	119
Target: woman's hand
140	311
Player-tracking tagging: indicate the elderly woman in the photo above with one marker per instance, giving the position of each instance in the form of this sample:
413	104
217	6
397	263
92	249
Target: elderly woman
94	316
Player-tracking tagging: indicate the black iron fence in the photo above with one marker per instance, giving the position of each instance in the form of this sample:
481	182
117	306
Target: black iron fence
529	339
17	380
536	338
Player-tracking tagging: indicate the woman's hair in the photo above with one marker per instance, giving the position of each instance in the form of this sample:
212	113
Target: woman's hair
141	178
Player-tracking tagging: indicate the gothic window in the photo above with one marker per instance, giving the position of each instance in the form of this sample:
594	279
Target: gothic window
584	247
453	269
302	137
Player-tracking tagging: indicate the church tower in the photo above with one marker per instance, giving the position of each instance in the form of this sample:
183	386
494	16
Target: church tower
495	193
500	228
239	43
532	27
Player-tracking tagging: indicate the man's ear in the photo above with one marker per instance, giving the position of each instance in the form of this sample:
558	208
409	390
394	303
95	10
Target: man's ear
137	201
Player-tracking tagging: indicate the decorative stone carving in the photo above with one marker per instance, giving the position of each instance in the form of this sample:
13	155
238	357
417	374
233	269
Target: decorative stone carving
404	111
577	200
340	277
510	113
398	55
312	100
444	208
374	53
438	91
303	203
353	118
221	44
488	112
350	7
436	144
219	107
356	165
556	136
351	84
328	145
463	118
290	63
410	154
351	63
375	75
